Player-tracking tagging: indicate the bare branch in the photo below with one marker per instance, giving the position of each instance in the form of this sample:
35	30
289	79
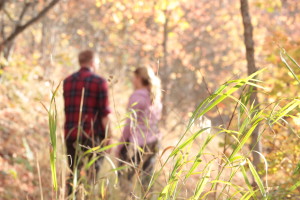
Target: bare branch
26	6
9	15
20	28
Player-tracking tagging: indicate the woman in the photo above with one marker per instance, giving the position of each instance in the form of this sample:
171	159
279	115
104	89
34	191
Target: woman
141	129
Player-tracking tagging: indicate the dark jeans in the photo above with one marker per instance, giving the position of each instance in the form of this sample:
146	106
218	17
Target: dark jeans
144	162
71	151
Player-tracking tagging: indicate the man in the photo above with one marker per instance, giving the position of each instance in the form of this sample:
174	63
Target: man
93	115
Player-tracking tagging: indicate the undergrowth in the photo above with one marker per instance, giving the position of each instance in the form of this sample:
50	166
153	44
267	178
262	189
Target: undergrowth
214	174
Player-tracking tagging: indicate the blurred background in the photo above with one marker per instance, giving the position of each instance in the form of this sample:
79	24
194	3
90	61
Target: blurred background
193	45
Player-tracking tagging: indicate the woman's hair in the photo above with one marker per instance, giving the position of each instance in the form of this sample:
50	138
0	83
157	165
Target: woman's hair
150	80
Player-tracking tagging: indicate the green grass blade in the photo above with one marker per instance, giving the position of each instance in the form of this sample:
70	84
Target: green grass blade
99	149
247	195
244	140
53	170
293	60
257	179
285	110
295	186
201	185
250	188
198	160
188	141
288	66
91	162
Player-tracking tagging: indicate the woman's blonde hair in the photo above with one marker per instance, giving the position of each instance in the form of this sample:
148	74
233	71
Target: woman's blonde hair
150	80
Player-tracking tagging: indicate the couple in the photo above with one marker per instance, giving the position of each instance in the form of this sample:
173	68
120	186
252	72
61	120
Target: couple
87	117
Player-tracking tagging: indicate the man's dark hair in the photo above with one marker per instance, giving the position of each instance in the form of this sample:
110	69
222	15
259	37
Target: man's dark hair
85	57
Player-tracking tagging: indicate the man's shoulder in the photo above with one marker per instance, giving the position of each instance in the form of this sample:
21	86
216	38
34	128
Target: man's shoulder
97	78
96	82
70	77
89	77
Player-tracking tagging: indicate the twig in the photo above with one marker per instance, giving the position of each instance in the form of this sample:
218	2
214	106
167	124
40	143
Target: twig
9	15
20	28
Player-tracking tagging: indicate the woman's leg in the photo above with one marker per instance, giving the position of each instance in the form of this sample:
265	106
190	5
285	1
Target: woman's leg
149	160
125	157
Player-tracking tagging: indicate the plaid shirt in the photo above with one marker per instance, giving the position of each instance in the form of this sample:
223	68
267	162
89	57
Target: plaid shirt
95	103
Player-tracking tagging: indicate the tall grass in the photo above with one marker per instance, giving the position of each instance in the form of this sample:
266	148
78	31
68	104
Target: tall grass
52	119
214	176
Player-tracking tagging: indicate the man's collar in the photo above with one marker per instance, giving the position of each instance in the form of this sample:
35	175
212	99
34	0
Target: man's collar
85	68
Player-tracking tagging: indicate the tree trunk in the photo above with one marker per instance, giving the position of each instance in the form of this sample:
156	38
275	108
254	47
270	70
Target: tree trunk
2	2
165	69
249	44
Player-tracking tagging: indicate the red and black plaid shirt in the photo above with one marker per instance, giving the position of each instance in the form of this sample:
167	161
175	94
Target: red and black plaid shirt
95	103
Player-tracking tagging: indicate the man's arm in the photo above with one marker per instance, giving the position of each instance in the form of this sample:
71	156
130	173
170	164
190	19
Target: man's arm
105	111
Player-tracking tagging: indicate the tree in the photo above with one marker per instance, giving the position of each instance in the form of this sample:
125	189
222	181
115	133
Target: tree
249	44
2	2
6	42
